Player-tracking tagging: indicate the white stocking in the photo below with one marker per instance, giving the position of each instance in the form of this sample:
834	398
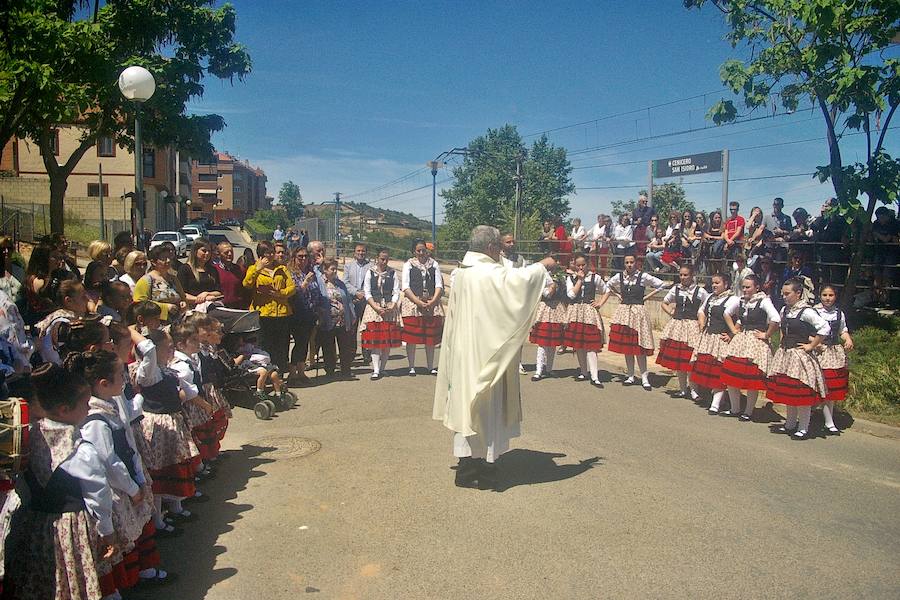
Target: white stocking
540	360
429	356
411	355
581	354
629	365
157	512
828	413
376	361
717	400
592	364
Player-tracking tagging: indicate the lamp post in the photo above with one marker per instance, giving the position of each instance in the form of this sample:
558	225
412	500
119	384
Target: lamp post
137	85
434	165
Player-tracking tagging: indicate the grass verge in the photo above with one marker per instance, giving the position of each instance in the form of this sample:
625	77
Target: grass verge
875	372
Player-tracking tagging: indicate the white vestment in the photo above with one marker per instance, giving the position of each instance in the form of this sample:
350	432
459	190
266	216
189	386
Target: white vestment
490	314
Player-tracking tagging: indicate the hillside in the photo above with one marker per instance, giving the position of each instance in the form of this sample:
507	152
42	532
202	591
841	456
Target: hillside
351	211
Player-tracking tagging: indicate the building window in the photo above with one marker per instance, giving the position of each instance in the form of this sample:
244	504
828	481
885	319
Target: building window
54	141
237	189
106	146
149	162
207	177
93	190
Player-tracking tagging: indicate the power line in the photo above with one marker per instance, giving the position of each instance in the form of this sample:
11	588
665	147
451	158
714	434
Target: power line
624	187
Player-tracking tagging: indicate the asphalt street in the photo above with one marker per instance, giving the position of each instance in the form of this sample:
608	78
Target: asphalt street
610	493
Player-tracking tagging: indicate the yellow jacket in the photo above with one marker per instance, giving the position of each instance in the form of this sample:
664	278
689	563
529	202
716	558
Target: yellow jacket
274	302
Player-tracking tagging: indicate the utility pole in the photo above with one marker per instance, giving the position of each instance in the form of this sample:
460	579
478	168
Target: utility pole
724	182
102	219
517	223
434	165
650	183
337	224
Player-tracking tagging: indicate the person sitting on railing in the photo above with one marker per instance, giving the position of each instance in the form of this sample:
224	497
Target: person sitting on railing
802	231
711	239
798	269
886	236
832	233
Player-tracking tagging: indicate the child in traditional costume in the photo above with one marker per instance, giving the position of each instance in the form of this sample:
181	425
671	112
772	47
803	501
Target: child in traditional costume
712	346
584	327
833	358
548	331
680	335
196	408
749	355
630	332
795	377
423	316
380	323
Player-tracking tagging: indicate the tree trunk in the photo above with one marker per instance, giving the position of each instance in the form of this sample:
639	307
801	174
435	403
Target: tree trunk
58	185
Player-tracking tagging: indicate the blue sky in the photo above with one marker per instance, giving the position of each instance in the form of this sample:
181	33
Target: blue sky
350	96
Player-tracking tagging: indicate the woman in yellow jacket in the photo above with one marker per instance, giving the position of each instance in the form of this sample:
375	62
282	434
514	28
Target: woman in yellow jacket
272	286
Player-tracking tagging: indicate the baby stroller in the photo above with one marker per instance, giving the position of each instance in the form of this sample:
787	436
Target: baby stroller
239	383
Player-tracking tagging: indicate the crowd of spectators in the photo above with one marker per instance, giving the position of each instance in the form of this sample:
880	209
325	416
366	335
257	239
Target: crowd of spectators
771	243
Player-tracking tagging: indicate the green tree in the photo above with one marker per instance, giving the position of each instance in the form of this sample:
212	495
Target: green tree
290	198
830	52
666	198
484	190
69	67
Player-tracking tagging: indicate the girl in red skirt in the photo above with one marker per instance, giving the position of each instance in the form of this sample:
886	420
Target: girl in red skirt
423	316
712	346
833	358
380	323
630	332
105	430
584	327
680	335
795	377
195	407
163	437
747	362
548	330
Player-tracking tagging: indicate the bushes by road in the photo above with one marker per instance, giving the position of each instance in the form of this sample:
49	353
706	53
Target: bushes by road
875	371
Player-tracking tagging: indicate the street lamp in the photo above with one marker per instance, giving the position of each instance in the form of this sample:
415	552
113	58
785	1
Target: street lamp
434	165
137	85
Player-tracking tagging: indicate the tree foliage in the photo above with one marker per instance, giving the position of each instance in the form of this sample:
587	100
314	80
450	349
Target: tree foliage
59	67
291	199
485	187
666	198
829	52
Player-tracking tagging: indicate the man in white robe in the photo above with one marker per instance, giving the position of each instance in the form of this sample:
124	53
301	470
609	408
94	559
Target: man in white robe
510	257
490	313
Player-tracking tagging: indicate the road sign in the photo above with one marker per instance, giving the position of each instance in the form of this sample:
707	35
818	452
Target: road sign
707	162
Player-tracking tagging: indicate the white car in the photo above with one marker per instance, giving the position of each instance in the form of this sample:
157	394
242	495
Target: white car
192	232
177	238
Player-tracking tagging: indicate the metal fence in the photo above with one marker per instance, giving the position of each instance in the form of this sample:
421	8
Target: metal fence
29	222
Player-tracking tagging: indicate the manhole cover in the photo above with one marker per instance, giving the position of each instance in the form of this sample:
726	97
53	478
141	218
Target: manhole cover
288	446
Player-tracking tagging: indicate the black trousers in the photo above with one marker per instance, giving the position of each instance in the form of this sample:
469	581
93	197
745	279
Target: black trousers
301	331
345	341
275	338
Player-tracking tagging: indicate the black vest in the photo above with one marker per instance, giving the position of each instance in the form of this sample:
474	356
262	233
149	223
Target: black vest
834	336
211	369
632	294
62	494
686	309
587	293
162	397
385	291
422	282
753	319
715	318
120	444
795	331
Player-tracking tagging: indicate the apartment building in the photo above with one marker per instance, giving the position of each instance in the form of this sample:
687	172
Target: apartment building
105	171
227	188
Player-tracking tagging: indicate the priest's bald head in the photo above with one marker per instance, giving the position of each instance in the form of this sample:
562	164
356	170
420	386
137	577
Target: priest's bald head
486	240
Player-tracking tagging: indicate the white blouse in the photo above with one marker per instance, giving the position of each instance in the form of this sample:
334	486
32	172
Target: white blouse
593	277
367	285
810	316
766	305
616	281
687	293
407	267
100	437
831	316
731	303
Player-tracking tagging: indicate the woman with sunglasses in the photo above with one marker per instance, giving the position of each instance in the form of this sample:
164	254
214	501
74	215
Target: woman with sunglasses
308	302
423	316
160	285
135	265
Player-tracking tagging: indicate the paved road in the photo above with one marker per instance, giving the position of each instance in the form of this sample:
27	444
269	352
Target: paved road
613	493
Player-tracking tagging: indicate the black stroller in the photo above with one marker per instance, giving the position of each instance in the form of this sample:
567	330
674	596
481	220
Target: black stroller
239	384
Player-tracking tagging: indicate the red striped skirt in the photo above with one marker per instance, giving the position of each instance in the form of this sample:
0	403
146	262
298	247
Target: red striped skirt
174	480
674	355
207	438
381	334
148	554
784	389
124	575
836	382
220	423
743	374
426	331
547	334
707	372
624	340
583	336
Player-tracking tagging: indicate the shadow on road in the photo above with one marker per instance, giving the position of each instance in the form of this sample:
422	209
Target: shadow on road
192	555
527	467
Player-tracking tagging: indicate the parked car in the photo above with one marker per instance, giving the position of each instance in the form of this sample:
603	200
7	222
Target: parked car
217	238
192	232
176	237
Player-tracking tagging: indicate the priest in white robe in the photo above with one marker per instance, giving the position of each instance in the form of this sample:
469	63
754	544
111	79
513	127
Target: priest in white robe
490	313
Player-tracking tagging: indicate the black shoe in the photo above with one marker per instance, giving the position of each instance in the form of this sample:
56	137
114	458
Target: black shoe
783	430
596	383
745	418
580	377
412	373
829	431
647	387
801	436
375	376
537	377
